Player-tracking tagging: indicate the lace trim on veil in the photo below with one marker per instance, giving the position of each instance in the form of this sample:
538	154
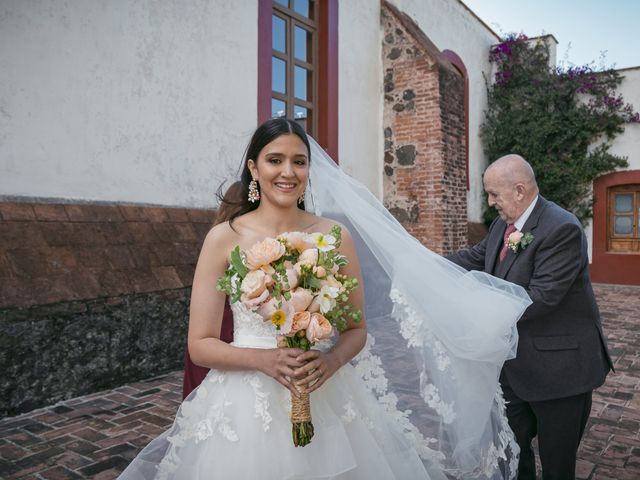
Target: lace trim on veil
369	367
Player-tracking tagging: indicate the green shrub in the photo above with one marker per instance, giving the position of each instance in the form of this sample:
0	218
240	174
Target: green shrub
561	120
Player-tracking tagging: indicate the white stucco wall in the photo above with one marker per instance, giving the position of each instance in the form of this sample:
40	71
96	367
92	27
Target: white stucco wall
360	99
130	101
628	143
451	26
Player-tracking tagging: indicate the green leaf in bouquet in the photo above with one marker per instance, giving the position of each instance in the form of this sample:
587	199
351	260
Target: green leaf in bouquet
277	294
235	296
356	316
279	267
312	282
226	282
223	285
340	324
280	278
237	263
340	260
292	256
336	231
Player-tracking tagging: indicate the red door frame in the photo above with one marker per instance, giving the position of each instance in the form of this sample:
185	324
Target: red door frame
608	267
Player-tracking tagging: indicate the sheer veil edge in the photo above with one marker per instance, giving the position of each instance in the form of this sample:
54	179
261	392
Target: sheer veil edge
438	334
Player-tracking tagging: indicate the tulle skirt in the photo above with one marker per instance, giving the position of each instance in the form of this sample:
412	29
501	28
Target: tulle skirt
236	425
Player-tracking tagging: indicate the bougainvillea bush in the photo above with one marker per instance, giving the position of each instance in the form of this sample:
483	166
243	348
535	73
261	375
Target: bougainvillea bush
562	120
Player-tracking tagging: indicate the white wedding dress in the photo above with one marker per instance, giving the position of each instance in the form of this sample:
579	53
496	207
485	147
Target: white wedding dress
421	399
236	425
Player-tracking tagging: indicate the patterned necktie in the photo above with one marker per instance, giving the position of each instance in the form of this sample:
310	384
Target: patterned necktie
505	246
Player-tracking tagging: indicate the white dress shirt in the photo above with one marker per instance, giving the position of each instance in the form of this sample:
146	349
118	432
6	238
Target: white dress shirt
522	219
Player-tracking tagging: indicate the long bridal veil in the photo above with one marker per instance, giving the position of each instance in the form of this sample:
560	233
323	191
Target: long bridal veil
438	334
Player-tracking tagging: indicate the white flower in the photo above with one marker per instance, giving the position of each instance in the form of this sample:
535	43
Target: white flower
282	318
326	298
323	242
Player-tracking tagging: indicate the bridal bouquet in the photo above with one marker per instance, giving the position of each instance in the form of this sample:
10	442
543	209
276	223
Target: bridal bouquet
294	282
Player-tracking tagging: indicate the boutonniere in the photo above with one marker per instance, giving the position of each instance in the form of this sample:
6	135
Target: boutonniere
519	241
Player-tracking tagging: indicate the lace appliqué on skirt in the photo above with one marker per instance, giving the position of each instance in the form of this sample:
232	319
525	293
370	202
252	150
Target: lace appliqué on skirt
193	427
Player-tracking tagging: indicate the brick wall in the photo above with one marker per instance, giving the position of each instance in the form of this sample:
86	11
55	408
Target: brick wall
91	296
59	252
454	180
424	171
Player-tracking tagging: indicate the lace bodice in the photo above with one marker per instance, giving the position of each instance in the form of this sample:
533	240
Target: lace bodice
250	330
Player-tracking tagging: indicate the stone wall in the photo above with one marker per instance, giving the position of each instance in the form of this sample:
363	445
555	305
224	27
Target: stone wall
425	177
91	296
61	350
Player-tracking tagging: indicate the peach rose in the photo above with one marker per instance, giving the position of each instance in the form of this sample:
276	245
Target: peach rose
296	240
292	278
319	328
309	257
515	237
319	271
268	308
264	252
300	321
334	269
330	281
252	303
301	299
315	305
255	283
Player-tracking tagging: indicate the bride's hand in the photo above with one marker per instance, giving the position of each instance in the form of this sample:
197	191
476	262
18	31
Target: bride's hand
280	364
319	367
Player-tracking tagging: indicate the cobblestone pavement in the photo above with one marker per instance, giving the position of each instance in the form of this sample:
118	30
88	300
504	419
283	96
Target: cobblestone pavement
95	436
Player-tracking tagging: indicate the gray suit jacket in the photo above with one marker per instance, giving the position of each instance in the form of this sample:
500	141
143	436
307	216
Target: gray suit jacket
562	350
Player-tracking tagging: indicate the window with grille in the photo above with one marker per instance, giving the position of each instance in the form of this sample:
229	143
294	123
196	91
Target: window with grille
623	219
294	61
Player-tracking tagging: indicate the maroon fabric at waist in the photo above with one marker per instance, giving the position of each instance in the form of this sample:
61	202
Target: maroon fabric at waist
194	374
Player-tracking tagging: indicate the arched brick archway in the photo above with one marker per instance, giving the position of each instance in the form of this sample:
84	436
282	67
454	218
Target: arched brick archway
425	177
606	266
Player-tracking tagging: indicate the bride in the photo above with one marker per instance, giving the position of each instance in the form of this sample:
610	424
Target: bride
417	399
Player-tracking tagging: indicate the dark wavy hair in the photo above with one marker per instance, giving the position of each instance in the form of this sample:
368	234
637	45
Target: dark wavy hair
264	134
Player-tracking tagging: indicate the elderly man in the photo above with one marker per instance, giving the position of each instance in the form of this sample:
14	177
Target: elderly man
562	354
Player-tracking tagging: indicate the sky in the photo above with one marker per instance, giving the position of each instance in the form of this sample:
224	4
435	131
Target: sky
584	28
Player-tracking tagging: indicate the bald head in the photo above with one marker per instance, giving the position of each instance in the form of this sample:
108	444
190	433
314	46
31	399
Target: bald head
514	169
510	185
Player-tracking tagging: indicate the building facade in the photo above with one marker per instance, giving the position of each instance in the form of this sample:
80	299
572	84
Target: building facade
614	233
119	120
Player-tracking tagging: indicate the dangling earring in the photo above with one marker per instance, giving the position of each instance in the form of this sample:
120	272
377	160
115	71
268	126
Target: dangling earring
254	193
301	198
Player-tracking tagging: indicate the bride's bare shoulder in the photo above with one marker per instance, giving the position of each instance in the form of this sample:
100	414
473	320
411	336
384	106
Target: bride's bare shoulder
324	225
221	237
